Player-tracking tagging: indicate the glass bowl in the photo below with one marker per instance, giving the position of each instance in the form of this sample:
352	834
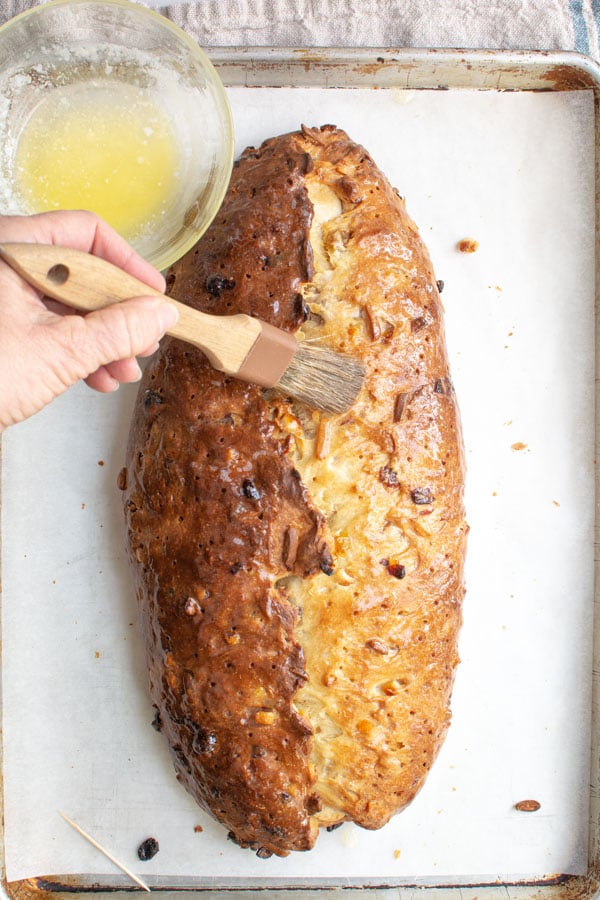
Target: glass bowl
107	105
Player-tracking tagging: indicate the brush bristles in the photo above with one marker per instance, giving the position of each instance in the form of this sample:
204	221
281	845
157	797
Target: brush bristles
322	378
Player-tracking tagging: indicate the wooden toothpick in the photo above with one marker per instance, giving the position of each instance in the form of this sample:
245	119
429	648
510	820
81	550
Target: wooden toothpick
105	852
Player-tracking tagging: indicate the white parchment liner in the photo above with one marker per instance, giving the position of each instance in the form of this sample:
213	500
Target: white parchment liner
513	171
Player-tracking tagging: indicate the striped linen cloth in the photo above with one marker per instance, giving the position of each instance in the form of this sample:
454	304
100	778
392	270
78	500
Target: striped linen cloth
493	24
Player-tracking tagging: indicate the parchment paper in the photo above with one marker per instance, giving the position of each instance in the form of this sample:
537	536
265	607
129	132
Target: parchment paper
514	172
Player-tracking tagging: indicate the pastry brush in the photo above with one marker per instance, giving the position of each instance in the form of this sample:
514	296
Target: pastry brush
240	345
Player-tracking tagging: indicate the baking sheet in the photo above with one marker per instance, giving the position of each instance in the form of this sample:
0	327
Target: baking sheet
513	171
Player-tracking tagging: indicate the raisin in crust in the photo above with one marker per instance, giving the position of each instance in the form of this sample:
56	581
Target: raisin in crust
300	576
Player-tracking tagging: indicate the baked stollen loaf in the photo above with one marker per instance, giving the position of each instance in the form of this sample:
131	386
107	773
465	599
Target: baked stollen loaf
300	576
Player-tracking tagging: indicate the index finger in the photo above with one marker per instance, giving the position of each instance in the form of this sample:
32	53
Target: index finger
81	230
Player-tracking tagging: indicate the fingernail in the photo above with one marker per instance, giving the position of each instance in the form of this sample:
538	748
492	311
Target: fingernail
150	350
168	314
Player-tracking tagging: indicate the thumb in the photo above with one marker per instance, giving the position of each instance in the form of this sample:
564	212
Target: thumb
120	331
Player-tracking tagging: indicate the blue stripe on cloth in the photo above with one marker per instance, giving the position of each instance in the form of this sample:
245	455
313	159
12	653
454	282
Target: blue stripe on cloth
596	15
580	32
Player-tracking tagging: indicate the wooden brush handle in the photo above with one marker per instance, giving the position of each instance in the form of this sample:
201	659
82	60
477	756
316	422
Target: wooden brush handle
88	283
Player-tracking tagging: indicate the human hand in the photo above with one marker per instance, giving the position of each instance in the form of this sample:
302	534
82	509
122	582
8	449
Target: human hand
46	347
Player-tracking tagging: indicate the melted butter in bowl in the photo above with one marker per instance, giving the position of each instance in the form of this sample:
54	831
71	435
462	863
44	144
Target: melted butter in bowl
113	151
107	105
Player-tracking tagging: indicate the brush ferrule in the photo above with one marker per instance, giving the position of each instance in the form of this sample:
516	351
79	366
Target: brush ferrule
271	354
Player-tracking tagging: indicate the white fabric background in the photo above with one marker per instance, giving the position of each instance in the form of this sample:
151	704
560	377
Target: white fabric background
490	24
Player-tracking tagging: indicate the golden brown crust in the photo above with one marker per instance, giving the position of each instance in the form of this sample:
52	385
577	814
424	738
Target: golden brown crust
300	577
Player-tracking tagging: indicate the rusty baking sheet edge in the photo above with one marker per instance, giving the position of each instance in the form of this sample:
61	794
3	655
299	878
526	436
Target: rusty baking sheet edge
424	69
410	69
